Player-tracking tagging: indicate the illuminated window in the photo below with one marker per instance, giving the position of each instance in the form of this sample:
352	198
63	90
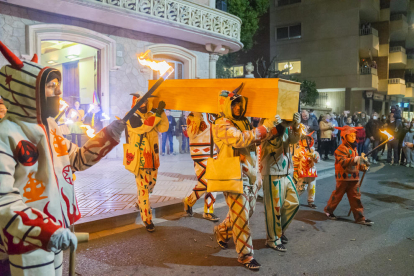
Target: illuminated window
238	71
289	32
293	66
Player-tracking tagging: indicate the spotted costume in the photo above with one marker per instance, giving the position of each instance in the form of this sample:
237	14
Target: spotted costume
142	133
201	148
36	166
304	168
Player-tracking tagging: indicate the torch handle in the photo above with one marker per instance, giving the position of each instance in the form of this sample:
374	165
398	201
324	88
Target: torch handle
377	147
148	94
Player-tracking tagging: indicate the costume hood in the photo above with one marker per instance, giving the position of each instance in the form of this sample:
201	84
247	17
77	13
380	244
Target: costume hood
347	130
22	86
307	136
226	98
136	97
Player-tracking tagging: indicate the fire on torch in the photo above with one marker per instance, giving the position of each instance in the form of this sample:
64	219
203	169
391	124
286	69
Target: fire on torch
62	109
389	136
165	71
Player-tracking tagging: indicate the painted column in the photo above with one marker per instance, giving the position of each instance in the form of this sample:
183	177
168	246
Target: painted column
213	60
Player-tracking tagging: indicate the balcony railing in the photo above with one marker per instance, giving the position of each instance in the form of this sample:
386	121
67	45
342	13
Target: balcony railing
182	12
368	71
368	31
396	81
397	49
398	16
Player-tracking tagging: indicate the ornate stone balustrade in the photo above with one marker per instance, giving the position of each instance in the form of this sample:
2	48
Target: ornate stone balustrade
182	12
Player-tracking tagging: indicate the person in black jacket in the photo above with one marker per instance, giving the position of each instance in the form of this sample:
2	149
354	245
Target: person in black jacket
169	134
372	130
393	144
311	123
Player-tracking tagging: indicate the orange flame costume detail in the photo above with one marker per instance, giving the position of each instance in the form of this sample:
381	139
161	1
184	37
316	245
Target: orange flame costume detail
34	189
59	144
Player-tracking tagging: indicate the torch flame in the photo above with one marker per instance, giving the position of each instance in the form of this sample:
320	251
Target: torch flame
73	115
63	105
105	117
302	129
390	137
91	107
160	66
89	131
68	122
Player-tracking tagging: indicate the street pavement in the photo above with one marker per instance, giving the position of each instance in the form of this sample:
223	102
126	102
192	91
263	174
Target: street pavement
184	245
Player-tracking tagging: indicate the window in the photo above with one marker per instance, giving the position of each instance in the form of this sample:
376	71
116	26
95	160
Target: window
293	66
287	2
178	69
237	71
289	32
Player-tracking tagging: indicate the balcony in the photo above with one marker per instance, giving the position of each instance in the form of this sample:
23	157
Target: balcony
177	19
369	10
368	79
410	62
409	91
397	58
396	87
368	43
398	27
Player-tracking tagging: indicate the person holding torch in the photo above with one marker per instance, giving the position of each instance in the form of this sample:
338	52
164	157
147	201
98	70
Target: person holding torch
347	166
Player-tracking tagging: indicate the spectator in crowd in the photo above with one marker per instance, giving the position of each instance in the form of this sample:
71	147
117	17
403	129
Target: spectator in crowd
408	146
334	143
373	135
402	131
310	123
326	129
363	119
393	144
343	118
397	114
3	109
360	138
169	134
182	129
355	119
311	114
349	122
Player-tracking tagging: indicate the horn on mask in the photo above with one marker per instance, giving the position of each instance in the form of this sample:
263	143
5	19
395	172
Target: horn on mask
11	58
238	89
35	58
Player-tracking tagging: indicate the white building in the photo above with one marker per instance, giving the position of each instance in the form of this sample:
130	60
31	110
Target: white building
99	40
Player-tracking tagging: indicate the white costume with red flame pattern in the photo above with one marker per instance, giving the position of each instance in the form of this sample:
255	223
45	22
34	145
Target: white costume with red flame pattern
36	166
304	168
201	148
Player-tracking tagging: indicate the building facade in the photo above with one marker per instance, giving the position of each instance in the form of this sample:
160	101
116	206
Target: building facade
359	53
101	39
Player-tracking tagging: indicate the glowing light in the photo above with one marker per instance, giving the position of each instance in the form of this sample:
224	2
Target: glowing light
160	66
63	105
73	114
89	131
105	117
290	66
68	122
390	137
91	107
302	129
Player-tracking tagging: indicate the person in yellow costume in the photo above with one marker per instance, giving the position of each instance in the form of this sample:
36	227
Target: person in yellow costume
234	136
142	132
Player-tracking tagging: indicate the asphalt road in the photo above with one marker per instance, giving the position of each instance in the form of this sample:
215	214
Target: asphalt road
185	246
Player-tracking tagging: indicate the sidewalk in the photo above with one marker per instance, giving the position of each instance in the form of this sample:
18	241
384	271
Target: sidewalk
109	190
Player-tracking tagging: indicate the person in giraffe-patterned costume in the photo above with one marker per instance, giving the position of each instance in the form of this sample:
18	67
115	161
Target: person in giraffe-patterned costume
280	197
201	148
37	201
235	137
347	167
142	132
304	168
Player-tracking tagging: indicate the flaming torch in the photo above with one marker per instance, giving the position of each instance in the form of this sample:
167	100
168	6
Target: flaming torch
165	71
389	136
89	131
62	109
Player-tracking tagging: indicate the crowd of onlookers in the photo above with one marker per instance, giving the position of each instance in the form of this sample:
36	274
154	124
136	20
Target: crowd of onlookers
327	138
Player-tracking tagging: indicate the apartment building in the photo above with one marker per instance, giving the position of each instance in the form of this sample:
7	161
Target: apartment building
95	43
360	53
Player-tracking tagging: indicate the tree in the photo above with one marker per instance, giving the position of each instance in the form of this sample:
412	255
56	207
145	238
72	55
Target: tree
308	92
249	11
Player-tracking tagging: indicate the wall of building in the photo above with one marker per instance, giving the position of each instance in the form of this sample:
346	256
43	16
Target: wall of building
86	80
329	46
129	78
